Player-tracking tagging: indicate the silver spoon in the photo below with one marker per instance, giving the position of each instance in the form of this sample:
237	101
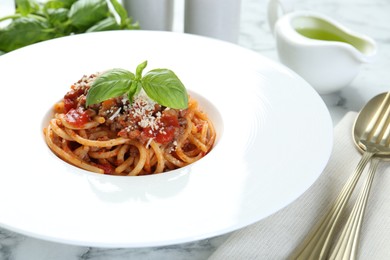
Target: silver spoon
347	244
370	128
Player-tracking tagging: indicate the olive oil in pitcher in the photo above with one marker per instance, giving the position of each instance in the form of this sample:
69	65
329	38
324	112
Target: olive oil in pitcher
320	34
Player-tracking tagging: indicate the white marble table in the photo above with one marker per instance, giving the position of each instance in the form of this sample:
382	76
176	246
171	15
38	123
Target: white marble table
371	17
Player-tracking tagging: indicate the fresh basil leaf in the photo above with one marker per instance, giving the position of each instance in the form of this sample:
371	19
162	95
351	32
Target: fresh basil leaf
120	10
135	88
68	3
140	68
53	5
129	25
24	31
25	7
58	20
59	3
164	87
106	24
110	84
85	13
57	16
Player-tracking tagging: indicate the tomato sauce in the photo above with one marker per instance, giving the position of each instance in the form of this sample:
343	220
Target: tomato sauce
168	126
70	99
166	136
107	168
77	117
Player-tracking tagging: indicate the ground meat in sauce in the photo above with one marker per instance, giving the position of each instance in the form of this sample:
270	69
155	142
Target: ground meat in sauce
142	120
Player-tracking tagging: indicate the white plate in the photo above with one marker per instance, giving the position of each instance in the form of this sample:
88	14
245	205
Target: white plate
274	139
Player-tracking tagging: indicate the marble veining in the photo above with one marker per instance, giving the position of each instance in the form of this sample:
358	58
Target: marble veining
14	246
370	17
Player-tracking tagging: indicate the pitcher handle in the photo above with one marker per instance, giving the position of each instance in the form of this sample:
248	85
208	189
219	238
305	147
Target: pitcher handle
273	10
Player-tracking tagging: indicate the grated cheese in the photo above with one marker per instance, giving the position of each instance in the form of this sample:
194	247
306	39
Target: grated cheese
115	114
143	107
148	143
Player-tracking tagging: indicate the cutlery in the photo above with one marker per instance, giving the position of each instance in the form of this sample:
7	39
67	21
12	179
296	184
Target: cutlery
347	243
370	128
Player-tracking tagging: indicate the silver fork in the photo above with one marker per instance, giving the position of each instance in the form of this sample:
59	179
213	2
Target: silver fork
317	244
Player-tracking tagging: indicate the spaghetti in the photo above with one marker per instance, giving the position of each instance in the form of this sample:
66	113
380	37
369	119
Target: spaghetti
118	137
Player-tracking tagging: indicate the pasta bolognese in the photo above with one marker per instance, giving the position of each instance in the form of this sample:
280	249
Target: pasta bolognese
119	136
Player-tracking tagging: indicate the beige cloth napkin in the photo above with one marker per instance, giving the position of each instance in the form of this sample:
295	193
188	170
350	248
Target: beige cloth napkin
277	236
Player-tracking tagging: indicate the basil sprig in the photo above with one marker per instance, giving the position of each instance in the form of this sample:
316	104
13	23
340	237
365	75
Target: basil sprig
35	21
161	85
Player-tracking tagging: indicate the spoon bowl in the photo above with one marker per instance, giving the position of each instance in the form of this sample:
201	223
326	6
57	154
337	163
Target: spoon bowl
365	117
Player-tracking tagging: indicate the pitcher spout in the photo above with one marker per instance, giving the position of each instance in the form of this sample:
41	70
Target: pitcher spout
367	49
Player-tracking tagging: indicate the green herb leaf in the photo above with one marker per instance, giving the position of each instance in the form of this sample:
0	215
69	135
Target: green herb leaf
25	7
110	84
135	88
140	68
164	87
161	85
120	10
105	25
23	31
129	25
53	5
57	16
85	13
59	3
